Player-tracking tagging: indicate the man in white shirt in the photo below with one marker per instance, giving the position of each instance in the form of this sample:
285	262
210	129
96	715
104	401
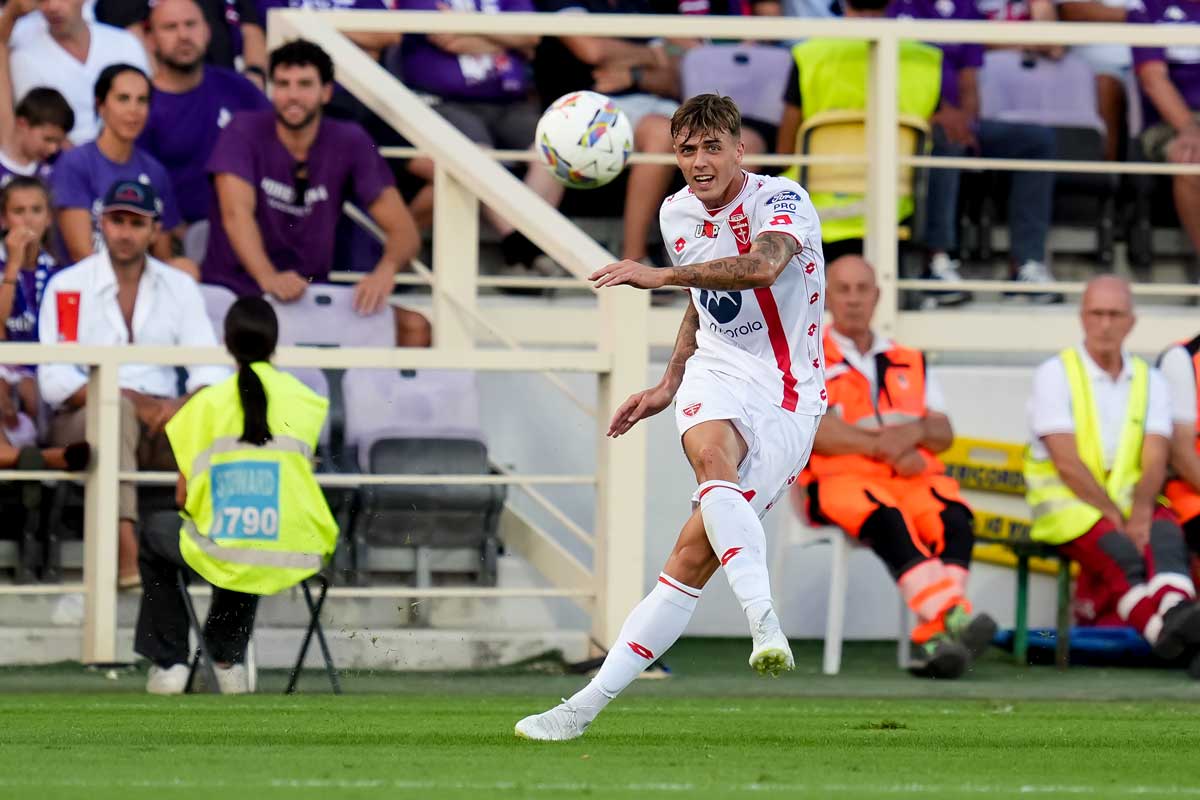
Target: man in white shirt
115	297
1100	422
68	55
875	474
1179	367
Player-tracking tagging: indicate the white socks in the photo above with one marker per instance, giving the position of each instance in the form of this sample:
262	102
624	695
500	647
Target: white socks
649	631
736	535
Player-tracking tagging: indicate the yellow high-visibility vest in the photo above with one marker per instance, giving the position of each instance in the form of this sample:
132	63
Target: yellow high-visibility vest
834	74
1058	515
256	520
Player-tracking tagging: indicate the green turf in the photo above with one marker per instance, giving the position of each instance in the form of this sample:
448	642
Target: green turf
711	731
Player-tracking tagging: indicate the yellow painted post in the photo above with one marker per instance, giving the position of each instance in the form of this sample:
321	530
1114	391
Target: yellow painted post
882	122
455	260
100	516
620	553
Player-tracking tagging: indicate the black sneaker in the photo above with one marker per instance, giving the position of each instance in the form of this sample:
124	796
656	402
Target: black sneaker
1194	668
975	633
942	658
1180	631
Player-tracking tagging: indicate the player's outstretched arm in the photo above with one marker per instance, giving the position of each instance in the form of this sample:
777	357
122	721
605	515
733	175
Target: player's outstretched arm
769	254
649	402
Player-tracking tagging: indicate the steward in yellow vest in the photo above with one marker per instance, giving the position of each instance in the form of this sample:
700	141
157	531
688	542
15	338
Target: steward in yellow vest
875	474
254	519
1101	428
833	75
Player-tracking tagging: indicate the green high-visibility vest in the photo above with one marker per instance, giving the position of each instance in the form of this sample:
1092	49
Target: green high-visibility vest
256	520
1058	515
834	74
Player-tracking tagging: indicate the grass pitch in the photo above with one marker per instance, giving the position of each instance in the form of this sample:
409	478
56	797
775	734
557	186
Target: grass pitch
712	731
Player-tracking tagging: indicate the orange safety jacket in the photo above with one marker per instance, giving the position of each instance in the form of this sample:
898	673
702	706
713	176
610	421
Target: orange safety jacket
899	398
1184	500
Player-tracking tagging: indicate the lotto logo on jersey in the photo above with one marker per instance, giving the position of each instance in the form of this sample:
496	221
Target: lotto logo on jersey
680	244
707	230
740	227
810	268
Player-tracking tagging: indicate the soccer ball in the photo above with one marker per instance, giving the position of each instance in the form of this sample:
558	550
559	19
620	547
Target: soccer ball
584	140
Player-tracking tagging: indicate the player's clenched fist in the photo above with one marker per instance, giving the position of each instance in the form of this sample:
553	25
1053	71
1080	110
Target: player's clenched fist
632	273
639	406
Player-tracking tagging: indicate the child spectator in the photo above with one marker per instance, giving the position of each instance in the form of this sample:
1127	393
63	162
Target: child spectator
32	134
83	175
27	268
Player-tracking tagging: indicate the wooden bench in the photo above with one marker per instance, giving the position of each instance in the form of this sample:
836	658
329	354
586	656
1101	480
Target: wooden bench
981	465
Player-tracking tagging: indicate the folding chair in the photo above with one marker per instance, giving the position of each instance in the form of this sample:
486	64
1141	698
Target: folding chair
203	659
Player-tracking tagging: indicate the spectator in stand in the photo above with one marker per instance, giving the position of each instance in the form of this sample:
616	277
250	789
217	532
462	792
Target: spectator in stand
958	130
82	175
481	86
190	103
27	267
642	78
1170	82
1110	62
281	179
32	134
119	295
68	55
235	31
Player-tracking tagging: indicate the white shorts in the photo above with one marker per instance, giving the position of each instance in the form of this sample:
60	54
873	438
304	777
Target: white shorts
778	442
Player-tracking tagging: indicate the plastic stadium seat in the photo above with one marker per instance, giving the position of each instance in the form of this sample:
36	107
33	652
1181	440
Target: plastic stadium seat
217	300
426	424
755	76
1058	94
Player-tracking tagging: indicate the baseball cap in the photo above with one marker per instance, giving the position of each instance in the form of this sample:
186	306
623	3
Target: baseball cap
133	196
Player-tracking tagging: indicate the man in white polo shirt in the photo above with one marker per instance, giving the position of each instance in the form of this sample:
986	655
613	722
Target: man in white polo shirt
1101	432
67	55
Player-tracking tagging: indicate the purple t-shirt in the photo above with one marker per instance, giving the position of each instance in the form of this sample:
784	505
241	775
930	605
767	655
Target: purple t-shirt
955	57
22	324
83	174
1183	63
297	233
320	5
183	128
498	78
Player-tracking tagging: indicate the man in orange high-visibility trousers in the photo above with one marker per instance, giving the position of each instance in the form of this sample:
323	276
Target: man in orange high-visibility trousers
875	474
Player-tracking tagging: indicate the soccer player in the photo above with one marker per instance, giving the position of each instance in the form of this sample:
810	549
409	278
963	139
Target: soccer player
747	379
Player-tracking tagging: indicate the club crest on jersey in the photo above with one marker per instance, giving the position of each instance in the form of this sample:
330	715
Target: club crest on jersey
724	306
707	230
740	227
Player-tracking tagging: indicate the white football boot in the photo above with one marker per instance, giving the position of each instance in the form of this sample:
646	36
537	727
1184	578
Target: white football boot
169	680
560	724
772	654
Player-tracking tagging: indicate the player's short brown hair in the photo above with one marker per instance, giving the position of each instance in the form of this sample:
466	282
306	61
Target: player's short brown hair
707	113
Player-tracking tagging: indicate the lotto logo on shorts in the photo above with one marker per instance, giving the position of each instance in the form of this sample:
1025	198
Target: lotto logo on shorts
691	411
812	329
815	297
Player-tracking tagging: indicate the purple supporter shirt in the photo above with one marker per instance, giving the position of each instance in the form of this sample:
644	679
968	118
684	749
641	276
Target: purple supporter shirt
298	234
319	5
1183	63
955	57
183	128
22	323
490	78
83	174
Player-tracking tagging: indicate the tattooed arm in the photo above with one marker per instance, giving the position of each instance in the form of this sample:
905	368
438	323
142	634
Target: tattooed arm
768	256
649	402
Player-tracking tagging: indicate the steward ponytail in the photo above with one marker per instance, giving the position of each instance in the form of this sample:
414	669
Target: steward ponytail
251	332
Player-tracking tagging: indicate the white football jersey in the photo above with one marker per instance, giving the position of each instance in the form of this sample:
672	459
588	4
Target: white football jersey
770	337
